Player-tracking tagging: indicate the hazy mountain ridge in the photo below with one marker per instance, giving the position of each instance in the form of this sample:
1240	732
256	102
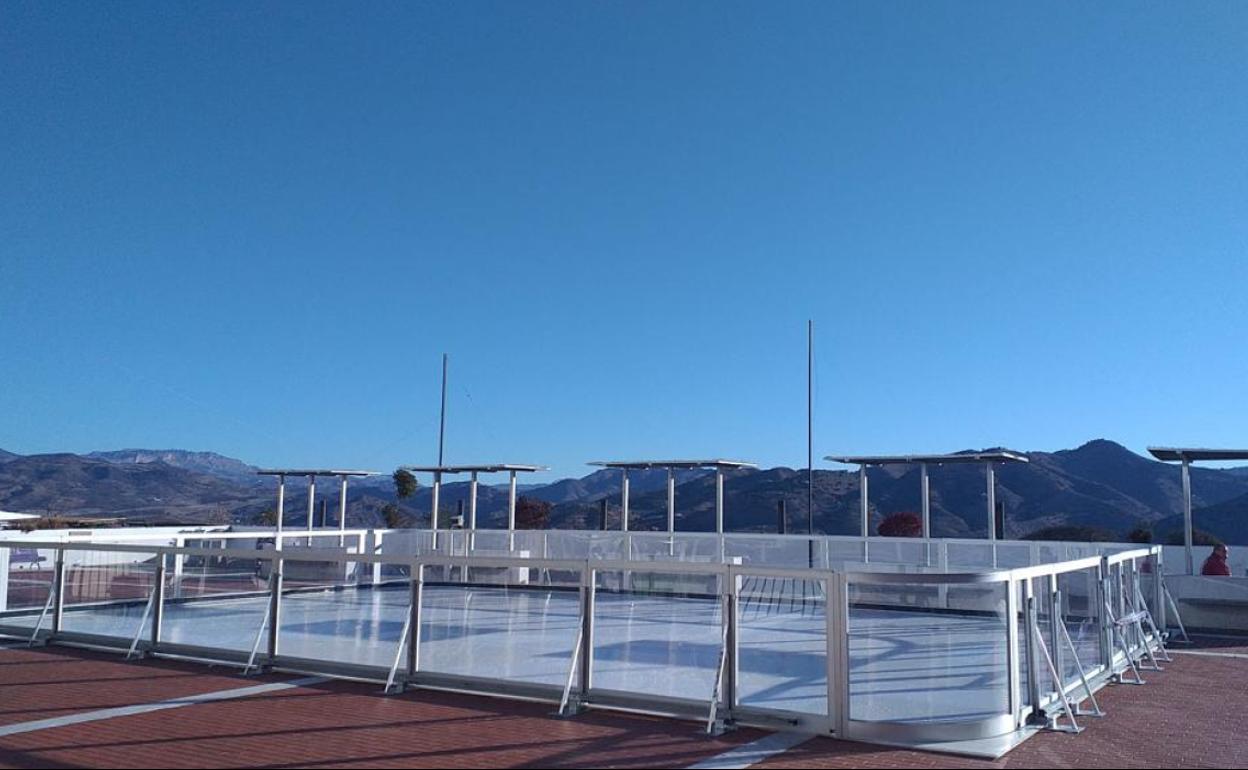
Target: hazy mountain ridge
210	463
1100	484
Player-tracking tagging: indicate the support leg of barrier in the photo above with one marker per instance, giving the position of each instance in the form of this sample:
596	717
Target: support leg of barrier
567	705
1034	631
1152	628
255	647
719	719
1083	678
47	606
138	632
1174	607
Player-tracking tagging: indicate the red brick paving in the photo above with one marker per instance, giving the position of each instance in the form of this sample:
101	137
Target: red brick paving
43	683
1172	722
349	724
1187	716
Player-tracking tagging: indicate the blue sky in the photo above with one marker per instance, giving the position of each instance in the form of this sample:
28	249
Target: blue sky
255	228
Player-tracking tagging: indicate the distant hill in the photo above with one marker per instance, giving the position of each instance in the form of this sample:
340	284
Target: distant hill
210	463
82	486
1100	485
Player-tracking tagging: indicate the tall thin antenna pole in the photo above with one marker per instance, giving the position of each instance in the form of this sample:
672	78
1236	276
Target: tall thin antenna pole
810	427
442	424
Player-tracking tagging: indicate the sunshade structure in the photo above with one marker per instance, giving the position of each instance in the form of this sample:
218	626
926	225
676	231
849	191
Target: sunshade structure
1187	456
671	466
438	471
987	459
311	474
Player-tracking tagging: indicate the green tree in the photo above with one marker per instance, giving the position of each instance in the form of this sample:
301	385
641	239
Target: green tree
405	484
393	516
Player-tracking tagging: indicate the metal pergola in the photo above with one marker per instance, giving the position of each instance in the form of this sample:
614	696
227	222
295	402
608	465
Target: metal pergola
311	475
987	459
1187	456
438	471
671	466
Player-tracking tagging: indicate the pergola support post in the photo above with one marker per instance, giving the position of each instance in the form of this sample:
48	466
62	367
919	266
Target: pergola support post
624	501
671	512
719	510
925	483
1187	518
990	474
281	511
472	512
511	513
311	501
436	504
864	502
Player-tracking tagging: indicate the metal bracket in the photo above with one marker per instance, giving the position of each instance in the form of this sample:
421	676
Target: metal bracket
393	686
47	606
255	647
138	632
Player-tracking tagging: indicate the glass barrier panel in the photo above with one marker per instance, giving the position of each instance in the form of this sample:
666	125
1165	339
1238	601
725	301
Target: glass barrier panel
345	611
910	552
782	551
217	601
27	582
843	552
498	623
927	652
657	633
782	643
1081	614
107	592
1014	555
970	556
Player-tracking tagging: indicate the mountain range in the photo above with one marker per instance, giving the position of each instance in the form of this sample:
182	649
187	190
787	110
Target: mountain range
1100	488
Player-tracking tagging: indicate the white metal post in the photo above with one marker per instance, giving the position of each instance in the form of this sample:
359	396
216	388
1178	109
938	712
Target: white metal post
158	601
342	508
671	512
4	579
281	509
864	503
58	588
437	503
1012	663
311	502
511	513
991	476
624	502
719	510
472	512
1187	517
925	483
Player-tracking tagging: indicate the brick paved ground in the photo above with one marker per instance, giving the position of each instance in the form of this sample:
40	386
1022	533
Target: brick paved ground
1188	716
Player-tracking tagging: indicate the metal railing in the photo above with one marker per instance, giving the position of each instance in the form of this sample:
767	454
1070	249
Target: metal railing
733	641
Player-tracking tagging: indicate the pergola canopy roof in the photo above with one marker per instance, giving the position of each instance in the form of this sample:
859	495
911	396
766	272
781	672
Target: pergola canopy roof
1179	454
484	468
996	456
312	472
674	464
